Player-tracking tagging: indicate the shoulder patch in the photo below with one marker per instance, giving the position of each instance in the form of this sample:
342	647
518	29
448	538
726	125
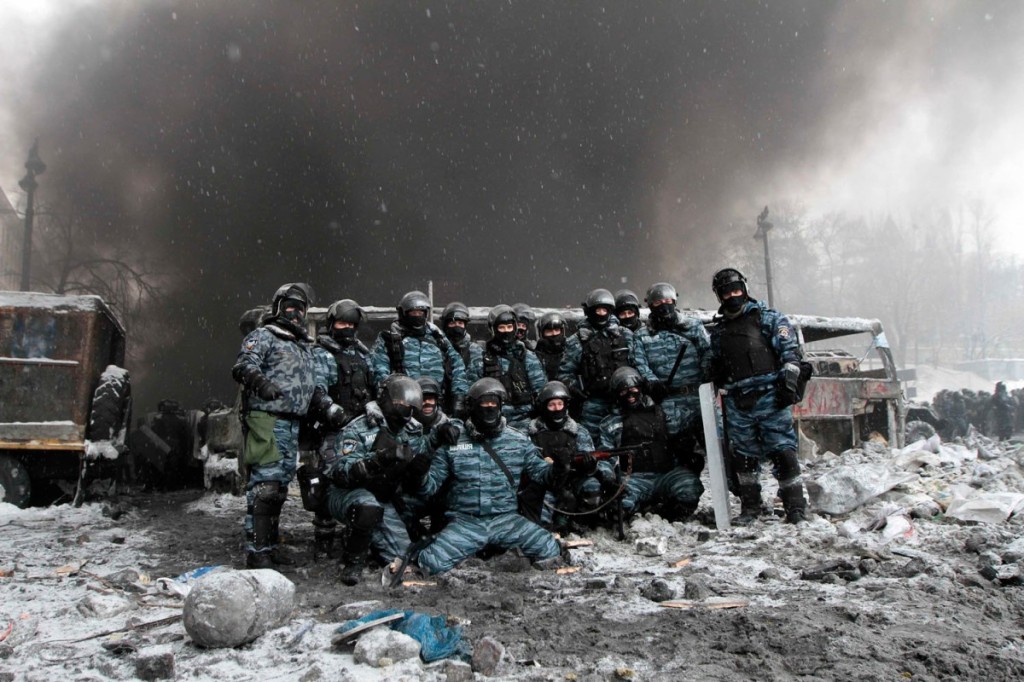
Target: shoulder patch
784	331
250	344
348	446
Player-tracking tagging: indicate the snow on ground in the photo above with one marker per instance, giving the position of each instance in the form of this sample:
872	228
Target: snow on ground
930	380
897	588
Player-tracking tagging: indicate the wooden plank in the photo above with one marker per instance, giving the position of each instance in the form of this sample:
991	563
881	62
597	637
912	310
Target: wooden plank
343	637
680	563
712	603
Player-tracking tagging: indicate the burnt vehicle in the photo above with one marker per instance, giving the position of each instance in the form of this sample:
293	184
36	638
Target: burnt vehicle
65	399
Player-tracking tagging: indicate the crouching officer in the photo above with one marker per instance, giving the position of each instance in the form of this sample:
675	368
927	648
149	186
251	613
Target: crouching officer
757	362
484	469
376	452
562	439
277	367
662	469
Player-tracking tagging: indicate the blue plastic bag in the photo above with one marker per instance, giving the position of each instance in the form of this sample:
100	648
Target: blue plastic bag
437	639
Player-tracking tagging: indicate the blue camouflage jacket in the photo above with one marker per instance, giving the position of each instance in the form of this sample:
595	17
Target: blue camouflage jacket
479	487
655	352
775	328
570	370
534	375
355	442
422	357
285	359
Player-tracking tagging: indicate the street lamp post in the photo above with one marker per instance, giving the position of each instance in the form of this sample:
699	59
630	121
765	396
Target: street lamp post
35	166
763	226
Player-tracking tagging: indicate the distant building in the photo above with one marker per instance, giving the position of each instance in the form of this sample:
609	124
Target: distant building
11	235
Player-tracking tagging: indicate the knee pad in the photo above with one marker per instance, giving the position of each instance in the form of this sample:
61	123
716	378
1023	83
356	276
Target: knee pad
366	516
788	466
744	464
267	498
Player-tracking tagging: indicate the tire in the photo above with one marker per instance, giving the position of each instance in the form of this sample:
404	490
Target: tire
919	430
17	489
111	406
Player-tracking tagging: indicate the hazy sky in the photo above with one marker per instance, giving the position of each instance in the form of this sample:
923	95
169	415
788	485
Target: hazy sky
521	150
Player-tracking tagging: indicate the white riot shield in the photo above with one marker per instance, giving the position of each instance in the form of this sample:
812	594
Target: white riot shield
716	456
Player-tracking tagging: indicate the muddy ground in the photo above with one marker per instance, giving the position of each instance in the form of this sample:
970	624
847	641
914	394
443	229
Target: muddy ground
926	604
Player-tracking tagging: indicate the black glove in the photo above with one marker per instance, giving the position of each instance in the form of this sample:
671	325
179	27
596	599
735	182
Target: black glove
787	385
447	434
266	389
578	395
584	463
386	458
657	390
418	467
335	417
459	408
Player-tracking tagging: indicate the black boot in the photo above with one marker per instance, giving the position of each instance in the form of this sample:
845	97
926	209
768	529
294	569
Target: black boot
749	489
259	556
791	487
323	536
278	554
357	547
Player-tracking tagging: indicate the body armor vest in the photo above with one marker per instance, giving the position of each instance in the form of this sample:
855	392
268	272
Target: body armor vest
396	354
744	350
515	380
352	391
602	355
555	442
647	426
550	360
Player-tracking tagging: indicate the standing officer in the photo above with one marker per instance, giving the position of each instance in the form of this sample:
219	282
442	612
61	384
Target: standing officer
551	343
455	325
525	321
757	363
279	372
507	359
416	347
627	309
672	353
598	348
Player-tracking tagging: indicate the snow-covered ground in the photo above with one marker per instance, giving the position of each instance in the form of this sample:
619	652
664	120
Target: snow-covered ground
930	380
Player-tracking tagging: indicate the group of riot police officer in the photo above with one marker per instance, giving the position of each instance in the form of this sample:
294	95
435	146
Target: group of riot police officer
434	448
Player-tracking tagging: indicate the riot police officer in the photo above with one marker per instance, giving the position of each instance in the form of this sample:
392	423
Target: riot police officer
279	372
455	324
627	310
416	347
525	321
552	331
672	352
376	452
757	363
663	472
598	348
507	359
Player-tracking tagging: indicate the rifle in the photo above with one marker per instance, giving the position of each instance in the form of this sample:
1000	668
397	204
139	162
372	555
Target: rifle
624	454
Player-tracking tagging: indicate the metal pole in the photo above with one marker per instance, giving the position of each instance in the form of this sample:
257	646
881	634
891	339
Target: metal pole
35	166
763	226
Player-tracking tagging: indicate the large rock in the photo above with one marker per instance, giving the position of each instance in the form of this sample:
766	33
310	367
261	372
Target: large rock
234	607
383	646
487	655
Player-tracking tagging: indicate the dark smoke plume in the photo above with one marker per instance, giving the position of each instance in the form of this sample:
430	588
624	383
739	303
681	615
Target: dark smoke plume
522	150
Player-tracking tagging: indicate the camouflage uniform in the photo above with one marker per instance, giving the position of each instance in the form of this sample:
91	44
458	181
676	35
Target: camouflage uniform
424	354
472	356
578	486
654	355
482	502
495	361
286	359
361	440
673	485
590	357
756	426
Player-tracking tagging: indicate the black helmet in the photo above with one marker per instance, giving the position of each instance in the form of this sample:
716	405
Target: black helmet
661	291
345	310
414	300
552	390
727	279
524	313
502	314
623	378
454	311
598	298
551	321
295	291
429	386
488	386
486	419
400	397
625	298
